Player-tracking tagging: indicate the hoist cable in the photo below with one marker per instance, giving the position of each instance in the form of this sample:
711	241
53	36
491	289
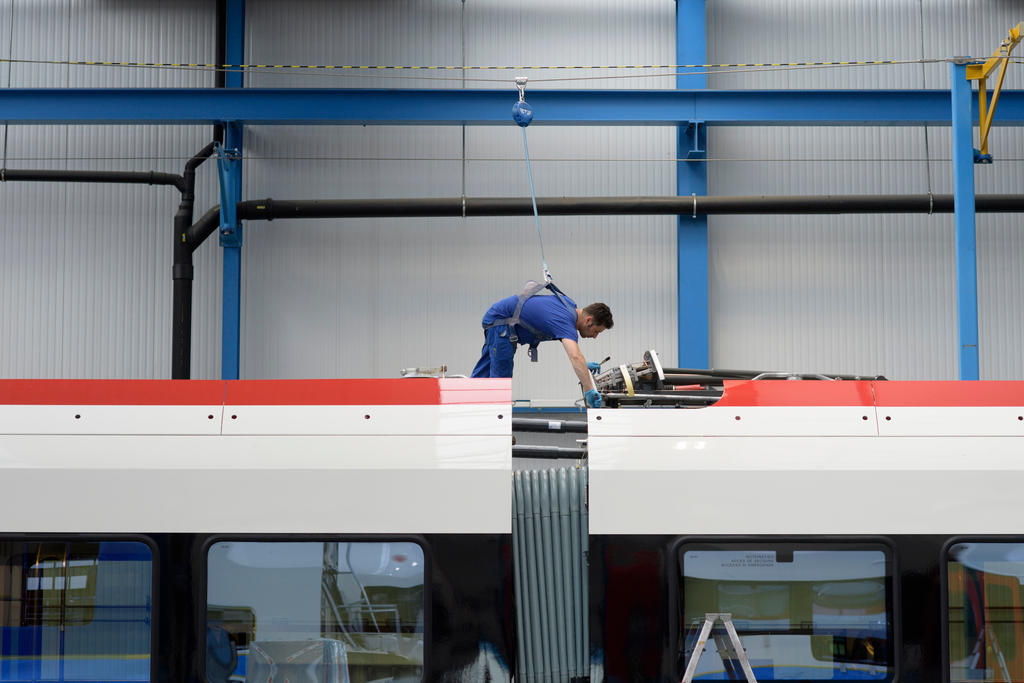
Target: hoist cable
533	199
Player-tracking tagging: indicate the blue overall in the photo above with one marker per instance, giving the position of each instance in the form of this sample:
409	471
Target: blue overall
524	319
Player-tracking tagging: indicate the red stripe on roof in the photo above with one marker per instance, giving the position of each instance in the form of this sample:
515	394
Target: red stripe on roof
795	393
935	394
405	391
111	392
402	391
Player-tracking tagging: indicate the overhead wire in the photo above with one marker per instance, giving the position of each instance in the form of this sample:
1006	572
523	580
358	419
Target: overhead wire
363	71
671	160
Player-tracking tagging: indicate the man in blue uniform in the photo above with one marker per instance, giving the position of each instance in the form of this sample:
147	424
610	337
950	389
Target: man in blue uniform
530	318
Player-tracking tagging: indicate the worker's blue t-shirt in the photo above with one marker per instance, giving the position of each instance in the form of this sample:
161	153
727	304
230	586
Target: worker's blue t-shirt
545	313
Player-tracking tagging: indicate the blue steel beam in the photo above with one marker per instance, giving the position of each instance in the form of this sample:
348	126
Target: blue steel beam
231	194
692	316
489	107
963	209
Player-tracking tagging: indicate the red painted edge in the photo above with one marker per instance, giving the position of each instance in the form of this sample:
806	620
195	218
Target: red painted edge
923	394
949	393
795	393
111	392
404	391
456	391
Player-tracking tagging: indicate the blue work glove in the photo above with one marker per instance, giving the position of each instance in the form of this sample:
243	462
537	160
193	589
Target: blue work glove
594	367
593	398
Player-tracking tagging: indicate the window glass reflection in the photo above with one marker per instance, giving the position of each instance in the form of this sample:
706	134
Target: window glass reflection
78	611
315	611
801	612
986	611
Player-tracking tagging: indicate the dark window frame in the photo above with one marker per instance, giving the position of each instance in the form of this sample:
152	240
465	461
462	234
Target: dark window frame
201	564
776	542
81	537
944	585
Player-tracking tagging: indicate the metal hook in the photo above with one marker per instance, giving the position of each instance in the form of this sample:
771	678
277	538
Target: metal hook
521	84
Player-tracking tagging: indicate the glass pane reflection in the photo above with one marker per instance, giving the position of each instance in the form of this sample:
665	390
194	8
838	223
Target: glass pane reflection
802	612
986	612
75	611
315	611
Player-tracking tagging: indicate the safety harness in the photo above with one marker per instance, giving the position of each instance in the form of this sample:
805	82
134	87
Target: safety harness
531	289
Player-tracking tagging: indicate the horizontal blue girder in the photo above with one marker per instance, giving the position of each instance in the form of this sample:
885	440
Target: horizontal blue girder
489	107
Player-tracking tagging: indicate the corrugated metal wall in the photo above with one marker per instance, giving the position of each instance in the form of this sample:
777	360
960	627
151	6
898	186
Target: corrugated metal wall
86	286
857	294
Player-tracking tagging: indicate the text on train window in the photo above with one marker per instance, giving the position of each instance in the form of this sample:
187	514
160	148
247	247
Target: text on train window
985	584
332	610
75	611
801	611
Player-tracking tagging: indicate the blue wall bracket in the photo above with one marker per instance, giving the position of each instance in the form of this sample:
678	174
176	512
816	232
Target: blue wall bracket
696	140
229	167
229	161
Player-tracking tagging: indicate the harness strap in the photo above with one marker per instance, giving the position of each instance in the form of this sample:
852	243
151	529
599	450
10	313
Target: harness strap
531	289
561	296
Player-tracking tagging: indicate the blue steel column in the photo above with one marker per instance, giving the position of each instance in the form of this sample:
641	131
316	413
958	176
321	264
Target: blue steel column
231	193
691	178
963	202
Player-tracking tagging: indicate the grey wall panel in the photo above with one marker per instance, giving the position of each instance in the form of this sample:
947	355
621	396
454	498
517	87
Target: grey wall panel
118	30
86	269
388	32
99	256
856	293
32	286
854	30
576	33
38	31
453	33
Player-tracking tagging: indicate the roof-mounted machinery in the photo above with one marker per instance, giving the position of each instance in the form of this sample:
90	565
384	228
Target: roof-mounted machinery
648	383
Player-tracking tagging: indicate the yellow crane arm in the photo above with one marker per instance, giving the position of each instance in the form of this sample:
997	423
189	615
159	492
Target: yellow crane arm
980	72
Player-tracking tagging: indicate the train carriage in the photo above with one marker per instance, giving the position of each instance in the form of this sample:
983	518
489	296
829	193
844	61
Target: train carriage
379	530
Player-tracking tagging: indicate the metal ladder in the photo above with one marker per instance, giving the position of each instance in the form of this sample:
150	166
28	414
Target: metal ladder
728	650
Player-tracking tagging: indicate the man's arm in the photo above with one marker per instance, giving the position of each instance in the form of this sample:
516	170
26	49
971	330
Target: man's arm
579	363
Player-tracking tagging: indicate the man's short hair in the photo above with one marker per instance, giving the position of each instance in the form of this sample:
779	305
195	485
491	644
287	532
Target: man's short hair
602	314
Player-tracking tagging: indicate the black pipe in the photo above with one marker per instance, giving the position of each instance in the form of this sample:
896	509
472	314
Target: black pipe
182	271
197	233
697	376
269	209
551	452
673	379
697	398
522	424
136	177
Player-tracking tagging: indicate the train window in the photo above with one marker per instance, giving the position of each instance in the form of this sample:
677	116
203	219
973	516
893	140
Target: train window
323	610
985	584
75	611
803	611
